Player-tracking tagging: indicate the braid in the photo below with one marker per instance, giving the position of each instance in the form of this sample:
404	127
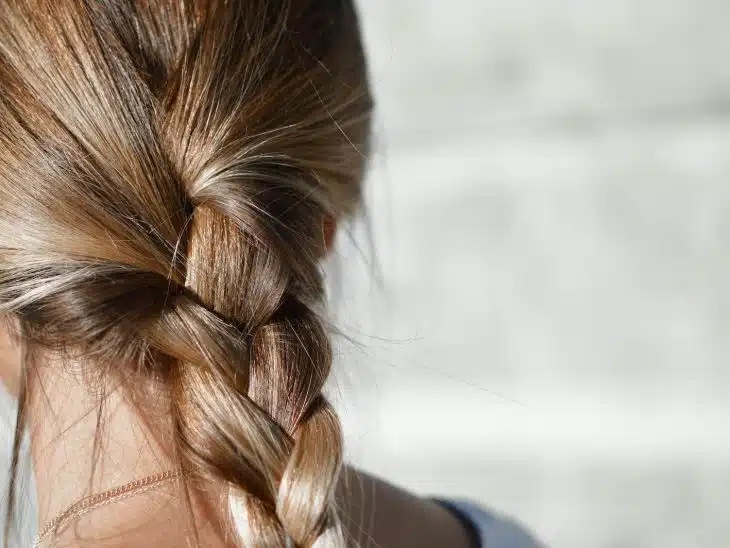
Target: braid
253	244
247	395
164	179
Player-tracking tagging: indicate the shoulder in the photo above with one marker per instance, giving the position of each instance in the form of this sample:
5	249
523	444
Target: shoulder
377	513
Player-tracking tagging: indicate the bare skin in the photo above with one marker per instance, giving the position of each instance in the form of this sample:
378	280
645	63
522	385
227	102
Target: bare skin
63	421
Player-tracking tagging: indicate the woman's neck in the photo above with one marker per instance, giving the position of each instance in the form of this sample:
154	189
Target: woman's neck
81	447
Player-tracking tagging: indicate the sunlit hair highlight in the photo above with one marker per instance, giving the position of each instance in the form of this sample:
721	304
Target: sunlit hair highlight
165	171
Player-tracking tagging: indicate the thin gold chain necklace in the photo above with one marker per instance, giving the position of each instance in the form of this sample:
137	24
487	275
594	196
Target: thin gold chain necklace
92	502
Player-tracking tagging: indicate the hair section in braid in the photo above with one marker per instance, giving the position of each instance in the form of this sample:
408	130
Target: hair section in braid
165	172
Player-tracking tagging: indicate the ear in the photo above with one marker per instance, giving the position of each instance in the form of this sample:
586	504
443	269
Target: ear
329	230
11	366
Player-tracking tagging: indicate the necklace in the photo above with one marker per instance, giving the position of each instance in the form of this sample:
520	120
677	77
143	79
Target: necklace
92	502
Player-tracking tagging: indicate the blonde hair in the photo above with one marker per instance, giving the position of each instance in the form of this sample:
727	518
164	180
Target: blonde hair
165	169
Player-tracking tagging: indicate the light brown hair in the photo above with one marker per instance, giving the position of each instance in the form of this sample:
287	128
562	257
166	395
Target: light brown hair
165	170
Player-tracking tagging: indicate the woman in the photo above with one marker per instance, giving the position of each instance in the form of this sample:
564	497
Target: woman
171	174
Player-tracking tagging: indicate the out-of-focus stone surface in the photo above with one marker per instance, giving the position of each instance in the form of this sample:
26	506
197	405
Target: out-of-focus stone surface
550	207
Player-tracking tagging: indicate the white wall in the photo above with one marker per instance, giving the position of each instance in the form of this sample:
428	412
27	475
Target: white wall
550	205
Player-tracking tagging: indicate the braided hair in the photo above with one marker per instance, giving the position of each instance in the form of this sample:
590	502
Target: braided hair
165	169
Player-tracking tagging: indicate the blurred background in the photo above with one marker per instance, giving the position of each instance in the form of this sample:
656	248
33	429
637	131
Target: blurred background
549	205
535	312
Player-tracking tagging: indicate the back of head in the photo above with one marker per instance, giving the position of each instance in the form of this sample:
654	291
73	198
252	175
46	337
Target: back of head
165	169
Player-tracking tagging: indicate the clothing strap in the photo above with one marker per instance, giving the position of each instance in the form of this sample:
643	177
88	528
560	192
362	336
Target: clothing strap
489	529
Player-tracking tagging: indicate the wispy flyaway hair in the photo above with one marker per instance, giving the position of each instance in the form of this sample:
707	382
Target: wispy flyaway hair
165	170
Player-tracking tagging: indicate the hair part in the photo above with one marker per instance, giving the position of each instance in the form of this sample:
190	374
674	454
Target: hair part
165	170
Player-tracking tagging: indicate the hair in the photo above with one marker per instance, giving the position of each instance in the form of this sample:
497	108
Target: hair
165	169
